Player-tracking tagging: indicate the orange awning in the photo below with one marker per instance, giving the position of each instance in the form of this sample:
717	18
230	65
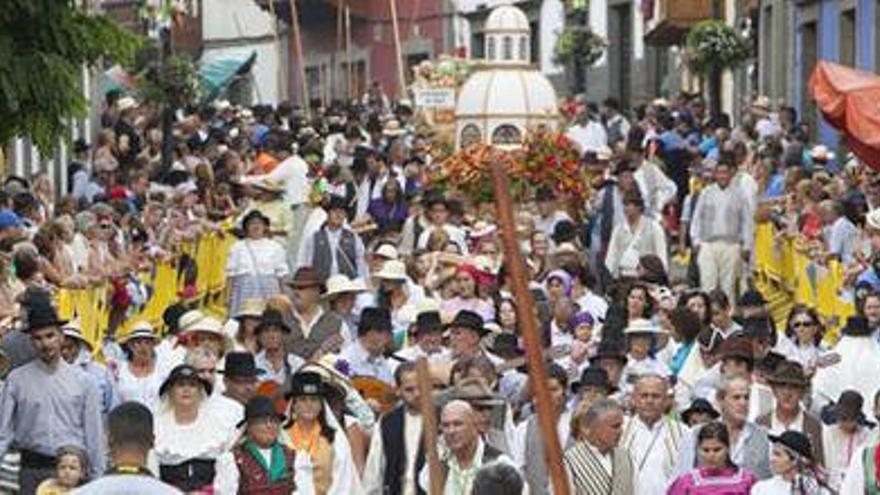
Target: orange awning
849	99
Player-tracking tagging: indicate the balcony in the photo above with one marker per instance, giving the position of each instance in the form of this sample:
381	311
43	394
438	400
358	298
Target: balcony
673	18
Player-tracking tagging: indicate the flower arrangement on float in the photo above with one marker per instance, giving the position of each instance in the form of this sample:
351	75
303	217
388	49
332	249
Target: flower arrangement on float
547	158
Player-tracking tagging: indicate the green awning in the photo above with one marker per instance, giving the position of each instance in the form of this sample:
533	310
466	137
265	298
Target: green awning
217	70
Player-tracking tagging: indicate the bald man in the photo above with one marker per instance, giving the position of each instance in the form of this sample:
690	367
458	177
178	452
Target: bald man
463	451
652	437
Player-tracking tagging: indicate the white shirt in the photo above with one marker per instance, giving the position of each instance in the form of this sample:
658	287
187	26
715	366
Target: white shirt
518	447
293	172
652	458
840	450
362	364
774	486
257	257
656	186
205	438
460	481
279	376
374	471
590	137
628	243
854	476
778	427
333	238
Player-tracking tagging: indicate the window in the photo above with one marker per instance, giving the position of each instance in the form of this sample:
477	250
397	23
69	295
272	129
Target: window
508	48
470	134
506	134
524	48
490	48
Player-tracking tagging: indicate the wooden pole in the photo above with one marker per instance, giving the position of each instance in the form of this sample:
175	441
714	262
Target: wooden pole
401	78
429	427
349	70
298	52
525	312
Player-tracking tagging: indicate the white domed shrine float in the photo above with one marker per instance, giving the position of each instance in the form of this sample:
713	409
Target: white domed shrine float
508	97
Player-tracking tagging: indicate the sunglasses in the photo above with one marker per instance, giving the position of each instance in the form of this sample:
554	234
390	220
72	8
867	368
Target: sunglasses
802	324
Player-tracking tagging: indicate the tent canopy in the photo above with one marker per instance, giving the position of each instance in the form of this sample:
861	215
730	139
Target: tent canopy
849	99
216	71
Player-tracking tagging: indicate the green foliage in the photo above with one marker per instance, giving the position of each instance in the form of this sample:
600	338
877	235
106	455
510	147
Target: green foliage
713	43
579	44
171	81
44	45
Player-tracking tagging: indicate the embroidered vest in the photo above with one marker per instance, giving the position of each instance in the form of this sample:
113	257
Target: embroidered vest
345	254
254	479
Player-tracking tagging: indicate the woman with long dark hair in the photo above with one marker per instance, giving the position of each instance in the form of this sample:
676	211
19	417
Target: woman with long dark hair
716	473
323	453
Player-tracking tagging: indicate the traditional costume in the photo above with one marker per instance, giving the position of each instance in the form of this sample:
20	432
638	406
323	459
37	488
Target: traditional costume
590	472
654	451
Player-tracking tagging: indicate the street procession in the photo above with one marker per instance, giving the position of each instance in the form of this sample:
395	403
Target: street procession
440	247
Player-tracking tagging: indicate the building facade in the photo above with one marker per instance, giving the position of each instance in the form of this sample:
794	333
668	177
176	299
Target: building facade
794	35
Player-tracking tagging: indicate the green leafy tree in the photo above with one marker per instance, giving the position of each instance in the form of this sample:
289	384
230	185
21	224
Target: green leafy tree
44	45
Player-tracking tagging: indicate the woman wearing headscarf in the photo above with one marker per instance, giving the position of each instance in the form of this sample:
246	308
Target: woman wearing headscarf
324	461
188	439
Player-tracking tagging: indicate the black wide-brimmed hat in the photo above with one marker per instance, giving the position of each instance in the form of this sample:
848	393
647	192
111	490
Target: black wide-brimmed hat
592	376
39	311
699	406
272	318
374	319
795	441
181	373
255	215
307	384
336	202
259	407
240	365
609	349
468	320
429	322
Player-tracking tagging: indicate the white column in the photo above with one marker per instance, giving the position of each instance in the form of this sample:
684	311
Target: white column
551	24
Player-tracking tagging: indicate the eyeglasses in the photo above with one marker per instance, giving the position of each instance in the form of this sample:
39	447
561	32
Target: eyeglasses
801	324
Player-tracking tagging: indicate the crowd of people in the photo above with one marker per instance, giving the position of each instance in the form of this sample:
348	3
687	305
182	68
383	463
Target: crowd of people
666	369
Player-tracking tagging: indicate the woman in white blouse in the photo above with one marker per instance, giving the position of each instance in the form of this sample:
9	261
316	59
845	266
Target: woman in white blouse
803	338
188	438
138	377
256	264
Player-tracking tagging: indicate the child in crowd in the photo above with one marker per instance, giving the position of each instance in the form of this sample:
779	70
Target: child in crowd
70	472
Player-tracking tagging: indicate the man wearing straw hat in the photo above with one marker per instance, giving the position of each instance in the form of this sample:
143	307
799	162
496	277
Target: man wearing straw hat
49	403
77	351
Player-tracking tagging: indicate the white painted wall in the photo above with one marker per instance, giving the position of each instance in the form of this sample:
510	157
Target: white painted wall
551	23
236	26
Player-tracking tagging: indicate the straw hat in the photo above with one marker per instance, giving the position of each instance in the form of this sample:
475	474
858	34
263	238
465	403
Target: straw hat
387	251
820	152
642	326
340	284
269	185
604	153
126	103
73	329
140	330
392	128
252	308
762	102
392	270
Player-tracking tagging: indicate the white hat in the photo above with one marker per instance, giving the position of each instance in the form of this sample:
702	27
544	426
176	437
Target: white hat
207	324
140	330
189	318
387	251
428	305
604	153
340	284
762	102
660	102
564	248
73	329
822	153
221	105
873	219
125	103
392	270
641	325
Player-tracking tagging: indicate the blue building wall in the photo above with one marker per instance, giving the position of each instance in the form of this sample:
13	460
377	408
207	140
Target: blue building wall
828	38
